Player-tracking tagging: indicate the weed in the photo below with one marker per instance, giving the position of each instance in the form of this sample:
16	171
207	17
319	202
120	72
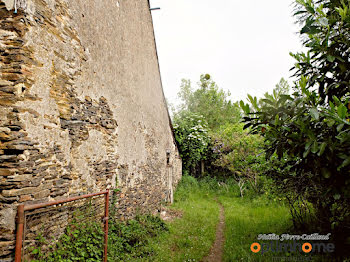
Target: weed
85	241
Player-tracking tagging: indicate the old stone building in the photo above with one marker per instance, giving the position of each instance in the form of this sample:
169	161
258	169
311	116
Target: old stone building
81	107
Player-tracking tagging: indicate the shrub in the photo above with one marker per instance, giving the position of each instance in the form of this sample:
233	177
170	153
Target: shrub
85	241
192	136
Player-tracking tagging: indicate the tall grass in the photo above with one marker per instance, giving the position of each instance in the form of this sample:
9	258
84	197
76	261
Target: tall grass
191	236
247	218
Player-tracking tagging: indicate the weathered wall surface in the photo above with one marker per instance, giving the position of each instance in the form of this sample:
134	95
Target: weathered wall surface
81	107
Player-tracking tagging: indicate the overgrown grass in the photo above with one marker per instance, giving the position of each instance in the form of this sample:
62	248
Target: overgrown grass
247	218
127	241
190	237
130	240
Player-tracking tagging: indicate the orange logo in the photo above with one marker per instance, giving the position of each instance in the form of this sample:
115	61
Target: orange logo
255	247
307	247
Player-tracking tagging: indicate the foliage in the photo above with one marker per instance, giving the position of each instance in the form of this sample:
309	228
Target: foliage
312	143
192	136
245	219
238	154
213	105
309	131
192	232
81	242
191	235
209	101
129	240
85	241
282	87
208	185
326	34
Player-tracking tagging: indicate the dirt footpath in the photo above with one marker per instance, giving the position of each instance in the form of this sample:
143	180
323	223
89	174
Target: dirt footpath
217	249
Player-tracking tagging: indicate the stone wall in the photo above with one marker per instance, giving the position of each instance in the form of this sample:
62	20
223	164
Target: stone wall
81	107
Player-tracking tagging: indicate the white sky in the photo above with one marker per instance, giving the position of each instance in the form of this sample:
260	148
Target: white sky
244	45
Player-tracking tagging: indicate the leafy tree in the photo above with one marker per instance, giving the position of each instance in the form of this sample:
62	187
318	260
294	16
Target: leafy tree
309	131
213	105
230	151
209	101
191	133
282	88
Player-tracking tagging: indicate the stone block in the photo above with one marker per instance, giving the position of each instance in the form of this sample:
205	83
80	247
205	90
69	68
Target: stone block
42	194
4	136
8	199
18	192
20	178
7	218
6	172
25	198
6	248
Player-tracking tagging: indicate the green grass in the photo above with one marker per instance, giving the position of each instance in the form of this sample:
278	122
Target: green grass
247	218
191	236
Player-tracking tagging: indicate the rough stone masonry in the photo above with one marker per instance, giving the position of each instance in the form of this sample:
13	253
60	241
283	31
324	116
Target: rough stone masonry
81	107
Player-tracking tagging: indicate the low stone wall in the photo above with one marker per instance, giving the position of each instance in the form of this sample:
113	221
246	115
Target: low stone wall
81	107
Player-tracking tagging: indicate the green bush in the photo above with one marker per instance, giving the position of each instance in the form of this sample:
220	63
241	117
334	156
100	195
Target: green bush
85	241
237	154
81	242
191	133
129	240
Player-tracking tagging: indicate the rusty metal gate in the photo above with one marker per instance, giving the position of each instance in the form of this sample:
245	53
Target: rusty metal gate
53	217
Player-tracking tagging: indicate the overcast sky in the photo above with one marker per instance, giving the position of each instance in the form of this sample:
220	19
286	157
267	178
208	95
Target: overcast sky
243	45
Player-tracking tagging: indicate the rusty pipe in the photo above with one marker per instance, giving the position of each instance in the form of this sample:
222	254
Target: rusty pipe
106	225
19	233
57	202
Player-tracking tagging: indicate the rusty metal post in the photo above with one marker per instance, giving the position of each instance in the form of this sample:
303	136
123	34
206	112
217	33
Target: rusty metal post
19	233
106	225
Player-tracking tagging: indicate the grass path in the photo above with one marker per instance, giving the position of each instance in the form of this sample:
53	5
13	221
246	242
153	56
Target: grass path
198	235
209	231
216	252
245	220
191	236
